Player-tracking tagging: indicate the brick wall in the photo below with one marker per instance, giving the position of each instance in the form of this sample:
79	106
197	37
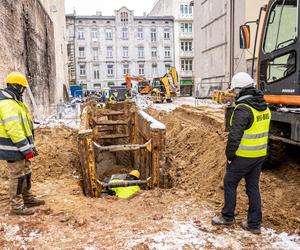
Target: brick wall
27	45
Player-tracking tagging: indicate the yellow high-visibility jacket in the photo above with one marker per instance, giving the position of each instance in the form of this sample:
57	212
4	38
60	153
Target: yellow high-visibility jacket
125	192
16	128
254	142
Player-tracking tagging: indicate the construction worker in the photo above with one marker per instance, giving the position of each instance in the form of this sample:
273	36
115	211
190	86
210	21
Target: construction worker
17	144
127	192
246	151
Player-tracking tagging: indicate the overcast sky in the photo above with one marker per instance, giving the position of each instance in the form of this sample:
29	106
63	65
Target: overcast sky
89	7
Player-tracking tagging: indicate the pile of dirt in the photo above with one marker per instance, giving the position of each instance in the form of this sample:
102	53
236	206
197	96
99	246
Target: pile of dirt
58	154
196	162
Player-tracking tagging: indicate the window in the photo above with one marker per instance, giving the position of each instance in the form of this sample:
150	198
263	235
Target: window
140	33
140	52
125	52
167	52
124	18
280	67
282	26
81	52
153	35
186	9
126	69
125	33
108	34
154	52
109	52
141	69
186	27
82	70
80	34
154	69
94	34
96	74
186	65
167	34
110	70
95	53
186	45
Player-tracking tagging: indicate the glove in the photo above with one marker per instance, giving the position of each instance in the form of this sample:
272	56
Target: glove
29	155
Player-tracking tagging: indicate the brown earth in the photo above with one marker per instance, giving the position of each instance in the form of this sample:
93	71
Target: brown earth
176	218
196	162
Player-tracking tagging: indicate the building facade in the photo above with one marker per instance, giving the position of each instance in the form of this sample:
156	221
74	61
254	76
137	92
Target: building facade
56	11
183	39
103	49
217	53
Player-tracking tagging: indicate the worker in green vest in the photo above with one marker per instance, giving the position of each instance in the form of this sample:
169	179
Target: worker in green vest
246	151
17	144
127	192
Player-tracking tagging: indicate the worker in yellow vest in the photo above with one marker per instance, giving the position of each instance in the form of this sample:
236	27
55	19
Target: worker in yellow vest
246	151
17	144
127	192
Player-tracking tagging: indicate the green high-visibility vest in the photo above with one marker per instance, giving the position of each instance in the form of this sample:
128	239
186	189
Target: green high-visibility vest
254	142
125	192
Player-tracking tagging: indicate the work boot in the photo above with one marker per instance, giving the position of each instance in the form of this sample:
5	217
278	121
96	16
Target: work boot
22	211
250	229
29	199
219	220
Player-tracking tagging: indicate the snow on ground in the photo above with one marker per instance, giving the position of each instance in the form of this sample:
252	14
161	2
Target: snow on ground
179	101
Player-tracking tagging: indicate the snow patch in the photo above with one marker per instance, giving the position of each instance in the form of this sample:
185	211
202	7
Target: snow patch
154	123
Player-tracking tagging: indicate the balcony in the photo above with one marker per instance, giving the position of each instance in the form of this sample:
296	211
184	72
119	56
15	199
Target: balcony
185	35
186	73
185	17
186	54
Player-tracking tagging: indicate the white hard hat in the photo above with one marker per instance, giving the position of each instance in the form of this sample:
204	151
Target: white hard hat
241	80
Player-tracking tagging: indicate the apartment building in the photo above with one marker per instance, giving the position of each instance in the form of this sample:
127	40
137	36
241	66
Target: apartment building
183	39
56	11
103	49
217	53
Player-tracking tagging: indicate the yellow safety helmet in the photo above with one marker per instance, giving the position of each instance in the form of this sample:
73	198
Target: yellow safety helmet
135	173
16	78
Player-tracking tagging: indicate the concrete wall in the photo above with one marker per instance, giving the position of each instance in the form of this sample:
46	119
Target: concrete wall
213	44
56	10
26	45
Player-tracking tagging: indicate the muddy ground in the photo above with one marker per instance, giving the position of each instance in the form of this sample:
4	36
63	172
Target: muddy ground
176	218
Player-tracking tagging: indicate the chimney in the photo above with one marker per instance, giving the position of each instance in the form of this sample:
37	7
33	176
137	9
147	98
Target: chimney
98	13
145	13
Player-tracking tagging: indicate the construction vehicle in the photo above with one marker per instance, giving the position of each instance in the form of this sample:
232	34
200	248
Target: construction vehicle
164	88
278	72
141	86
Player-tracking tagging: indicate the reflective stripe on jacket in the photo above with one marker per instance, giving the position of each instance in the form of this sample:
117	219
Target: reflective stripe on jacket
254	142
16	138
125	192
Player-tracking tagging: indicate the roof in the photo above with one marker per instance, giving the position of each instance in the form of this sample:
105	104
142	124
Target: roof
136	18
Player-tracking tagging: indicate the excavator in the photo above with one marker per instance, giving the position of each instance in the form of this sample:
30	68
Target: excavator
278	71
164	88
142	85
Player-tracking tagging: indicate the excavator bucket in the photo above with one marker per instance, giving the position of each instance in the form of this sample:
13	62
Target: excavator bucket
174	75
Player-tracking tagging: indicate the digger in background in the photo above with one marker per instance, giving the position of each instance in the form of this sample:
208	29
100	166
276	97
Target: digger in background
164	88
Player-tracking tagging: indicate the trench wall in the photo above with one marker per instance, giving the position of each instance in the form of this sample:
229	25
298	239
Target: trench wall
27	45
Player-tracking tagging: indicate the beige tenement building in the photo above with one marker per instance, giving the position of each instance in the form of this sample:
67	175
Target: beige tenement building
183	38
217	53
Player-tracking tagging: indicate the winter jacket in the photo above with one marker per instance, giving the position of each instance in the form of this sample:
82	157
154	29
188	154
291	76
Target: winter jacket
243	118
16	128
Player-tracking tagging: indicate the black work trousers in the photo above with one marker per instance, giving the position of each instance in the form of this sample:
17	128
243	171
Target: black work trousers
248	168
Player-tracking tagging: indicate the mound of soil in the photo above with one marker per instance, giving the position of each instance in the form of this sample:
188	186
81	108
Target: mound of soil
196	162
58	154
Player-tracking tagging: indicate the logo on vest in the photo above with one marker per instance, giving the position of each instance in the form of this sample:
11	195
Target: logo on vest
262	117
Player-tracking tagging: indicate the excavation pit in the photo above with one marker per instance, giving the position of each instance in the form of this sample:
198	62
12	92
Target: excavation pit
117	139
